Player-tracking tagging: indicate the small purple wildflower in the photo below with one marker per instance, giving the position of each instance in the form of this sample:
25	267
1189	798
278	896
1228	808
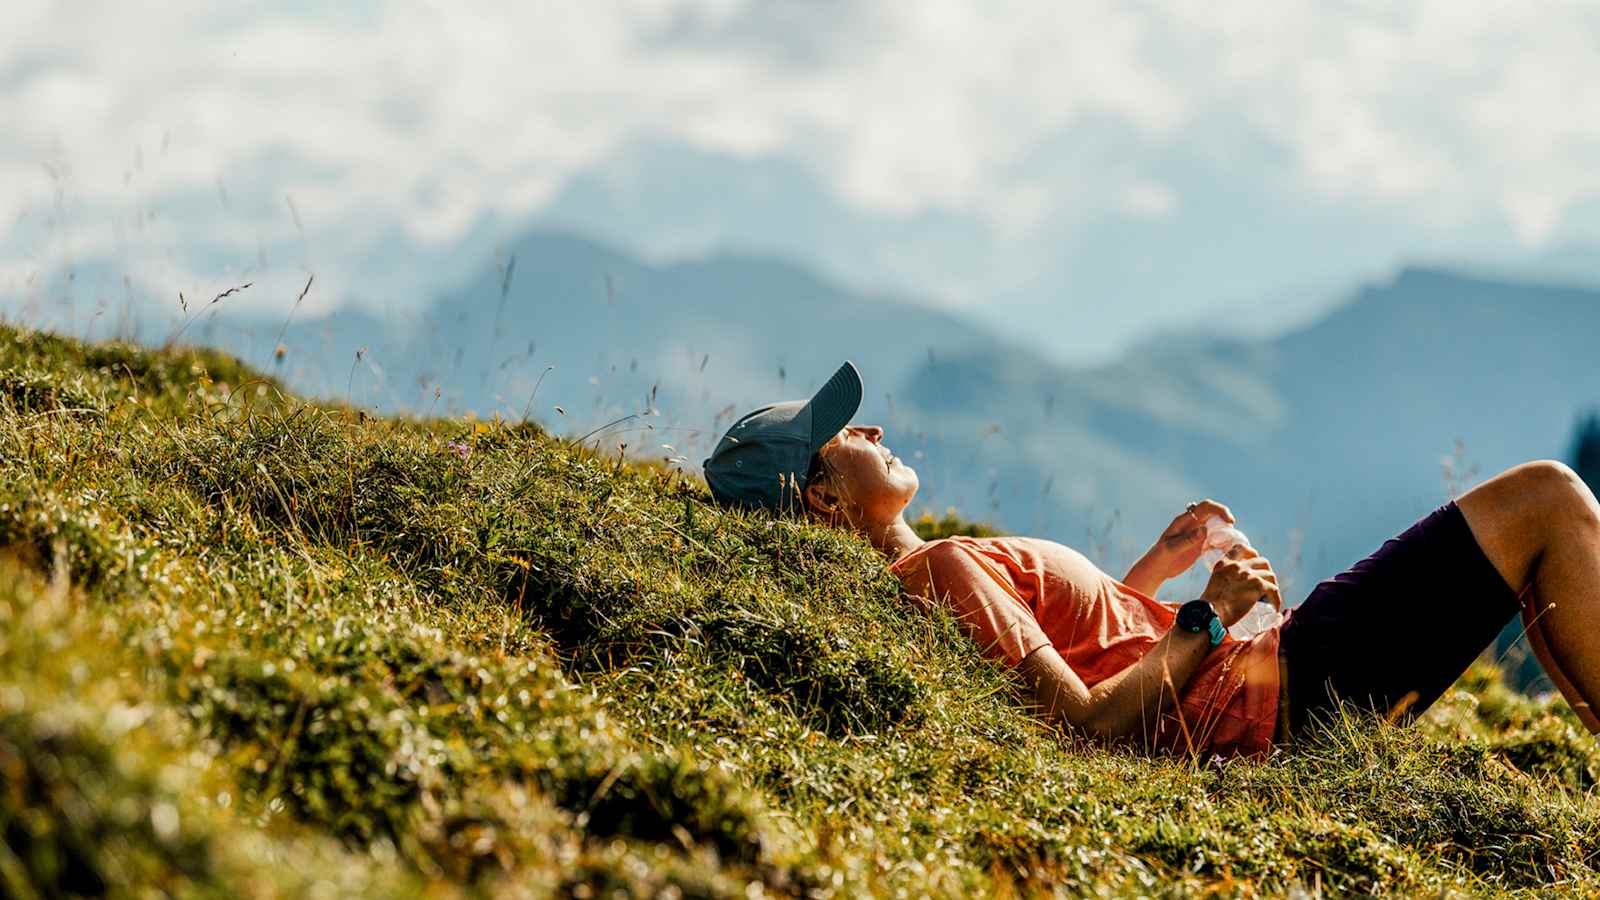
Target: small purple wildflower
462	450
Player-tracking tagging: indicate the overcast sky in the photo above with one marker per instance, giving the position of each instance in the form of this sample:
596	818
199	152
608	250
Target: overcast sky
1078	173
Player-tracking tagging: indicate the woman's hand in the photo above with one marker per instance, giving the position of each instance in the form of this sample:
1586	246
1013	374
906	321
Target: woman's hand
1180	545
1240	580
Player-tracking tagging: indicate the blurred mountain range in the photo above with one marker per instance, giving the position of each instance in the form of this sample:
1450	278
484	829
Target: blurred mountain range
1324	440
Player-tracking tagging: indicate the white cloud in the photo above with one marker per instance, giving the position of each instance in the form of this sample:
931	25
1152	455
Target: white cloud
397	129
1149	200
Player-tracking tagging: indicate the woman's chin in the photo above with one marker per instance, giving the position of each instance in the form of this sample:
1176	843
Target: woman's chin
915	482
911	492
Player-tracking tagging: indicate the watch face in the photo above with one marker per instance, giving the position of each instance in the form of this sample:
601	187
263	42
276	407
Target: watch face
1195	616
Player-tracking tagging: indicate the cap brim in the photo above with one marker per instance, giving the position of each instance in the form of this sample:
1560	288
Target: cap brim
834	405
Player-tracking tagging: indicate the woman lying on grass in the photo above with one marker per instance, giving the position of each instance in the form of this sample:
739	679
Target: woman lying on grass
1103	657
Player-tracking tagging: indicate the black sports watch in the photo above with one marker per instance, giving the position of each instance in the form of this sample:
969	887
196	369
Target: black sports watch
1197	617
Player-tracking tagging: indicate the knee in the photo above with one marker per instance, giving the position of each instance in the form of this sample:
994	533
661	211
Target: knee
1560	490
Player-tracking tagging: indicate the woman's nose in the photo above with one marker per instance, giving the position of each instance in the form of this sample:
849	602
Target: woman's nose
874	433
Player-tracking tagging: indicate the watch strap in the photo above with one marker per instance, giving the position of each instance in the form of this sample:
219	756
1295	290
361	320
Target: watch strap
1217	632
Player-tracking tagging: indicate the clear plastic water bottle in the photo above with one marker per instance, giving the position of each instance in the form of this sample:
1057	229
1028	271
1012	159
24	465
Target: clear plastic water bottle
1220	538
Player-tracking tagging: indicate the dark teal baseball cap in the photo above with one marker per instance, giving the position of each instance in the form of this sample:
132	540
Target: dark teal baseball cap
761	463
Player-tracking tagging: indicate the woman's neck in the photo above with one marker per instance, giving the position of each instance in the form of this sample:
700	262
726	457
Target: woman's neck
894	539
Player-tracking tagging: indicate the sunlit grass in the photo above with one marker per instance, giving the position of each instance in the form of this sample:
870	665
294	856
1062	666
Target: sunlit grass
253	643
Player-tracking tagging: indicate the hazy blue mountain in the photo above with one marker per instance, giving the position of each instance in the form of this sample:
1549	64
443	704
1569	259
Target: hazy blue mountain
686	340
1075	283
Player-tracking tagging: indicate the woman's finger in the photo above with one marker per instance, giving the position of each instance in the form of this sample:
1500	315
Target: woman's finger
1213	508
1270	591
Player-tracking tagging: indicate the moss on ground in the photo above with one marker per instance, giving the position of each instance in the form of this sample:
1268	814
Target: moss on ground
253	644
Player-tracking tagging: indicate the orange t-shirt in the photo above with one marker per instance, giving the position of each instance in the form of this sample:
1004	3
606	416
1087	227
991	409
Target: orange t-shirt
1015	595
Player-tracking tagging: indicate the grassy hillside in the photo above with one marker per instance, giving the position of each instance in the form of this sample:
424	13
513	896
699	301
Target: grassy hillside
250	644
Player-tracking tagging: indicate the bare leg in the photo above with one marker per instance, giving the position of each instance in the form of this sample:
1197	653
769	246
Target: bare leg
1540	526
1534	629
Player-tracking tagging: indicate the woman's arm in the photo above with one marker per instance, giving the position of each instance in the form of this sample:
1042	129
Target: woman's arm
1147	575
1126	704
1176	549
1130	702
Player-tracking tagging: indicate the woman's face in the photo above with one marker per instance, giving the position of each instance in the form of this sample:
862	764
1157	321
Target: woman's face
862	480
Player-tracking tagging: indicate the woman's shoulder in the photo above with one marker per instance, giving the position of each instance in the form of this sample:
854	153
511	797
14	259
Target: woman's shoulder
950	563
955	543
960	546
935	551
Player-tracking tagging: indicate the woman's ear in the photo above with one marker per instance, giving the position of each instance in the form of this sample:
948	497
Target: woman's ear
820	500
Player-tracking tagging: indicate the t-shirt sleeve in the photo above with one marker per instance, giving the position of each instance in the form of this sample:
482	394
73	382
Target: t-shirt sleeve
980	595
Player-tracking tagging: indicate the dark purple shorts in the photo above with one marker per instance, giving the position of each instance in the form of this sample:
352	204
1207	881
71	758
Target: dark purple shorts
1397	628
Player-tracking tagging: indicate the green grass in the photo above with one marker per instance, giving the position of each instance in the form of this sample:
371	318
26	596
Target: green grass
253	644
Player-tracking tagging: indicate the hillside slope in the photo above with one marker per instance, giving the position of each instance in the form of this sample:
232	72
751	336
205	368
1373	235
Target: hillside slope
250	644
